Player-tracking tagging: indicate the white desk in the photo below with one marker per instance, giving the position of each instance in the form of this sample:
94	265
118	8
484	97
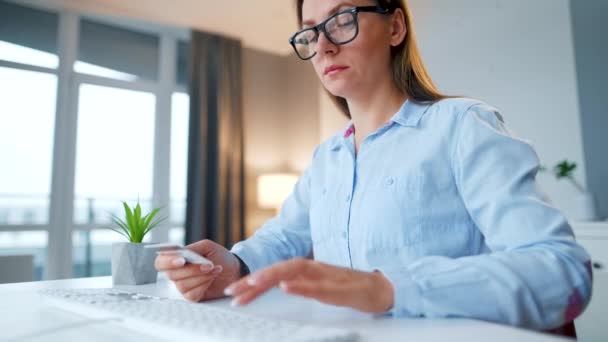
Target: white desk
21	312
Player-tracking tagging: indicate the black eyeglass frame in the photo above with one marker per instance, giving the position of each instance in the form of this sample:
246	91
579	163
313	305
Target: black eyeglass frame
321	26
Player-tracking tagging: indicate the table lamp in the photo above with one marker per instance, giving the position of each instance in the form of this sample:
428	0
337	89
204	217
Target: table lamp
274	188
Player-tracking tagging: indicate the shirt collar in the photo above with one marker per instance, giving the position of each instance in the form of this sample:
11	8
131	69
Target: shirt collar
408	115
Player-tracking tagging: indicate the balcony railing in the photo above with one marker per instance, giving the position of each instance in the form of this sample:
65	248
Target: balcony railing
91	245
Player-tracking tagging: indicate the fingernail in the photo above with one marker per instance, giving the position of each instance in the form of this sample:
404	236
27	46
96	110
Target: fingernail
283	285
235	302
218	269
228	291
251	281
206	267
179	262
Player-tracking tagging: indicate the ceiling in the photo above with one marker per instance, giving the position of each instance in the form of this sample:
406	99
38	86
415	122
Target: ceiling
264	25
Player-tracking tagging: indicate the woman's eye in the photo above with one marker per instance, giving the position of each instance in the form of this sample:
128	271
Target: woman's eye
346	23
306	41
302	41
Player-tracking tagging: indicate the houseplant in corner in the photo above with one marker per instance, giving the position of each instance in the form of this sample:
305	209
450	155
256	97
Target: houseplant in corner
585	201
132	264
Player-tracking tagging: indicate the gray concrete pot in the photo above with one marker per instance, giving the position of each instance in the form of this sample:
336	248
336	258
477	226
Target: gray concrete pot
132	264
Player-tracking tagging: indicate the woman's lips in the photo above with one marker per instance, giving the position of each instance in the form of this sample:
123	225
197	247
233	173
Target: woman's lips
334	69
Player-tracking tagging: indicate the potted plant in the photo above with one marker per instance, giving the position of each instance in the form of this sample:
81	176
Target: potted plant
585	201
132	264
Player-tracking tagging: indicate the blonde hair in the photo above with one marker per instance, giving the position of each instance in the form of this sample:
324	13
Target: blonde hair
409	73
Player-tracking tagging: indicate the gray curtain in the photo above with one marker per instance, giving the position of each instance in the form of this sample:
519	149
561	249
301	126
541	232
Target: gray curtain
216	193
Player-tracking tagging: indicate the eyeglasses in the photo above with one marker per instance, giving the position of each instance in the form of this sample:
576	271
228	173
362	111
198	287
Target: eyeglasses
341	28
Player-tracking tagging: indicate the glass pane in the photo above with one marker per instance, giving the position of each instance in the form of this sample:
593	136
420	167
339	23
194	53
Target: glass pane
179	155
115	52
92	253
26	145
183	56
24	55
19	243
28	36
114	151
177	235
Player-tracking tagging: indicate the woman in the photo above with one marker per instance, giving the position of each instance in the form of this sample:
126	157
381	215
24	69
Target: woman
423	206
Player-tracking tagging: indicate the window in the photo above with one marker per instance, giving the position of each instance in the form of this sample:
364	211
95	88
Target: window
110	103
28	36
26	141
114	163
183	56
28	63
179	154
21	54
114	156
30	242
118	53
179	162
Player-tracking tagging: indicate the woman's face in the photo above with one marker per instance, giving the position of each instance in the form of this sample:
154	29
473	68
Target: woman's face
357	67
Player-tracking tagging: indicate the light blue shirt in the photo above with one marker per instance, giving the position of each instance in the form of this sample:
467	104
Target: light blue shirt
443	200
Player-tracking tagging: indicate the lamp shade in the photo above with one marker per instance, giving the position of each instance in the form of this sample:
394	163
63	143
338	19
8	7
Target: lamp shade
274	188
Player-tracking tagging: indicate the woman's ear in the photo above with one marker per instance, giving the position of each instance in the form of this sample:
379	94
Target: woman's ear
398	28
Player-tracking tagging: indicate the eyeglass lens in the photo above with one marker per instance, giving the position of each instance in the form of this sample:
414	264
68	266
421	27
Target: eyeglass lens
340	29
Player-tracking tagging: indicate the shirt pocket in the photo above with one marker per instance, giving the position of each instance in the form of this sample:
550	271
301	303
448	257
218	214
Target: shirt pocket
390	210
411	217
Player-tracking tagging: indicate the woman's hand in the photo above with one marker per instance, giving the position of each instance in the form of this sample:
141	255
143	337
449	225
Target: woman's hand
201	282
364	291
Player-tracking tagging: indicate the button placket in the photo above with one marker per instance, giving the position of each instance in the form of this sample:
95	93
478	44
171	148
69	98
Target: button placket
349	185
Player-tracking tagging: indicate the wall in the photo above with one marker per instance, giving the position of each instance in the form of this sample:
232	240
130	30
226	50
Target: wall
281	121
302	113
590	28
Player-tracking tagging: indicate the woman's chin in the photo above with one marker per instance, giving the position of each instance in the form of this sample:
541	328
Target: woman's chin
338	89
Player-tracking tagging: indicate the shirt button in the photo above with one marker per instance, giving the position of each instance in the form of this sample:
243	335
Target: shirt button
347	198
390	181
344	235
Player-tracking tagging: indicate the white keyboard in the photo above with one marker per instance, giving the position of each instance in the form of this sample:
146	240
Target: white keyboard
179	320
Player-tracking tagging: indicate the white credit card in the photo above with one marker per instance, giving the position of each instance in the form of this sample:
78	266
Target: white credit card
174	249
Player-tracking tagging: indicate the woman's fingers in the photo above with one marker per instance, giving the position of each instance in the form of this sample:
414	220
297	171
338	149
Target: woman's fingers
194	288
187	283
368	292
287	270
248	295
190	270
250	287
323	291
365	291
245	290
168	262
198	292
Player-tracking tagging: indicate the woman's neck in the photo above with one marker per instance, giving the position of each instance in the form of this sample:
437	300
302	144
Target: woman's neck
374	109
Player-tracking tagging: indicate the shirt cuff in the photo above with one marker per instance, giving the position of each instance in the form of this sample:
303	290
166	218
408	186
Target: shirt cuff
246	255
408	296
244	269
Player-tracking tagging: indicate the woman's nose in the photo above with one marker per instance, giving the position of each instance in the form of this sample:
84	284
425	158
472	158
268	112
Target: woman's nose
324	45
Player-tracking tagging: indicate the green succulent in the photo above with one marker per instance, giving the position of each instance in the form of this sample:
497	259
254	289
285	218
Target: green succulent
565	170
135	226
